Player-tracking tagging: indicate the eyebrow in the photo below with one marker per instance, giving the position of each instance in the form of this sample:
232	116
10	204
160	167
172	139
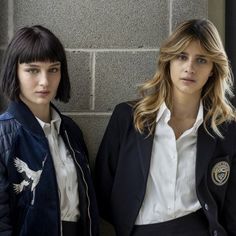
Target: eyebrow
35	65
198	55
56	64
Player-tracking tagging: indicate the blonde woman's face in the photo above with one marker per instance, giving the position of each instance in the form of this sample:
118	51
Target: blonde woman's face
190	70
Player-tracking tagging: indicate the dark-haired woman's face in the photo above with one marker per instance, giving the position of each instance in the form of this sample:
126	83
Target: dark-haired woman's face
38	83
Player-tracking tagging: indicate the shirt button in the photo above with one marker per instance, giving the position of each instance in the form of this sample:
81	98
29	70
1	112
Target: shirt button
206	207
215	233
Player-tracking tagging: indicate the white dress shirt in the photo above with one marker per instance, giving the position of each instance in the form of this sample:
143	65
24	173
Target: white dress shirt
170	191
65	169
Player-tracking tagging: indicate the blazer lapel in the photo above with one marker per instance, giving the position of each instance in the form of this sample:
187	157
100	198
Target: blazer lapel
205	147
144	147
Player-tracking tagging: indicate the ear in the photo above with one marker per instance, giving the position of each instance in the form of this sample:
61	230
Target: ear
211	74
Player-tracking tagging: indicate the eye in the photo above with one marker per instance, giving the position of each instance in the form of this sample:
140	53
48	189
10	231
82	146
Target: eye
32	71
54	69
201	60
182	57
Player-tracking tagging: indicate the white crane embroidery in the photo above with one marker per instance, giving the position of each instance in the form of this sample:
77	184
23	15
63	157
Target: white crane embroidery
19	187
33	177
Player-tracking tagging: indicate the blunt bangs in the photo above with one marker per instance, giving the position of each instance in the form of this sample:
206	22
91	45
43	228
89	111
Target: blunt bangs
33	44
40	47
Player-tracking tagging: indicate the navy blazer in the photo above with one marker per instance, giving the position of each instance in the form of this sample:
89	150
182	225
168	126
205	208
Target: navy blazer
122	168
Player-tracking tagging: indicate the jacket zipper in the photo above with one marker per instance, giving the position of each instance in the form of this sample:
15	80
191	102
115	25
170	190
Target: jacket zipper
33	198
58	195
90	230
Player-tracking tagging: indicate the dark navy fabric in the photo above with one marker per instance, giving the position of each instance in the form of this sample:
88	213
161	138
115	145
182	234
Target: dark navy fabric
122	167
194	224
35	211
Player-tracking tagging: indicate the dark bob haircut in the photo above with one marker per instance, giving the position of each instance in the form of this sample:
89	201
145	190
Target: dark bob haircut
33	44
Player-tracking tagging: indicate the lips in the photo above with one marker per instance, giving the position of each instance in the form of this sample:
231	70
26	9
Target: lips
187	79
43	93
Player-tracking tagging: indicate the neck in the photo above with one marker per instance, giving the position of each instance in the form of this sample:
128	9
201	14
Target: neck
43	114
41	111
185	107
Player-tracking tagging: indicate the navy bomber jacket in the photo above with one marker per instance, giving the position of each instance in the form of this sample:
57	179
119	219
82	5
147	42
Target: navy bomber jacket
29	201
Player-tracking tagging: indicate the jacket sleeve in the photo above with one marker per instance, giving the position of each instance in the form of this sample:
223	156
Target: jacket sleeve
229	212
5	225
107	160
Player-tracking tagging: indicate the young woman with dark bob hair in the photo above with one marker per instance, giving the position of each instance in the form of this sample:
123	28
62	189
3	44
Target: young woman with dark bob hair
167	162
45	183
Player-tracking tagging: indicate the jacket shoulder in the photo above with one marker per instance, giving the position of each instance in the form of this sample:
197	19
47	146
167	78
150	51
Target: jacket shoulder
124	107
123	110
5	116
9	128
121	119
8	124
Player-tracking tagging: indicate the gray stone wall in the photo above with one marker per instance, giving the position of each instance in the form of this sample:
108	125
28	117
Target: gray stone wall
112	46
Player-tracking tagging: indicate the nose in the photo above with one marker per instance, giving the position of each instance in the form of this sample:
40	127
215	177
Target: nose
43	80
189	67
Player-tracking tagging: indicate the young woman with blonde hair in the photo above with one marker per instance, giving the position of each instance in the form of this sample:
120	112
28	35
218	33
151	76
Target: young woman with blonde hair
167	162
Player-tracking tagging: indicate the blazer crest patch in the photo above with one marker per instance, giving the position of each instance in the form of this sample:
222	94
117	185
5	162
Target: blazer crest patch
220	173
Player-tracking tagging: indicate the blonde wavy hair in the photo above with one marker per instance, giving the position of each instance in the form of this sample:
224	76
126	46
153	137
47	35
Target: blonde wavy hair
215	93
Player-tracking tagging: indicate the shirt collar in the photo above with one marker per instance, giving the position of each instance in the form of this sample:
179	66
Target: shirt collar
55	121
199	118
164	113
